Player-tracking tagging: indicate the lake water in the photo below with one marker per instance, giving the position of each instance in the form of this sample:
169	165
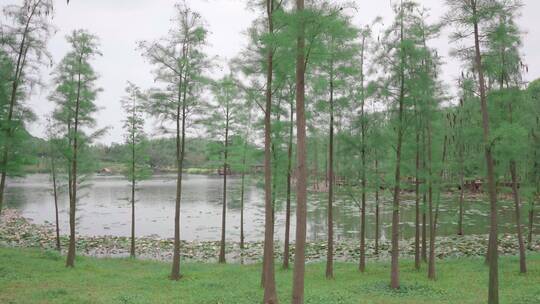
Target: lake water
105	210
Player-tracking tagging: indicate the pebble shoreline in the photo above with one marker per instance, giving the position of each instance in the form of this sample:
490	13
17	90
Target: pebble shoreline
17	231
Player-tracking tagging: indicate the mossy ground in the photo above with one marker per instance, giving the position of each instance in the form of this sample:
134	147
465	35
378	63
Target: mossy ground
34	276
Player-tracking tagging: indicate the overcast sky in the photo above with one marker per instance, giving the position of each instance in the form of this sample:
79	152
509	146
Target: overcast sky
121	23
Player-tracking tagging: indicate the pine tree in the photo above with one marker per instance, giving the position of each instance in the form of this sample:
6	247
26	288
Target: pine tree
224	123
22	51
136	160
473	16
180	64
75	96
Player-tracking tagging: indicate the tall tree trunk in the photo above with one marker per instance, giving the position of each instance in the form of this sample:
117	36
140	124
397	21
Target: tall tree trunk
55	194
461	202
330	177
286	250
431	258
270	295
224	211
362	264
417	205
424	203
493	294
180	149
394	273
537	196
424	228
531	216
433	226
517	203
515	193
132	249
461	171
301	152
243	185
70	261
242	189
315	161
377	201
3	181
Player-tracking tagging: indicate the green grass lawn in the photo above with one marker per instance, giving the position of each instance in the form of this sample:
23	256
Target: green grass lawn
33	276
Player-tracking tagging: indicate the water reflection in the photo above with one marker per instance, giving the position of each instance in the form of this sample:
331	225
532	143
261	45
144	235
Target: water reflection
105	210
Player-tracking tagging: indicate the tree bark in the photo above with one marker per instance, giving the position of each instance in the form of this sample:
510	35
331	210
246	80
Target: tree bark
434	220
377	201
132	249
431	257
519	231
270	296
417	205
424	203
224	211
55	194
301	182
70	261
286	250
531	217
537	180
330	178
461	171
362	263
242	189
180	149
424	228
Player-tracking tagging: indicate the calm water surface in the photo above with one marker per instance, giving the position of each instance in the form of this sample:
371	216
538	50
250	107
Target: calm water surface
104	210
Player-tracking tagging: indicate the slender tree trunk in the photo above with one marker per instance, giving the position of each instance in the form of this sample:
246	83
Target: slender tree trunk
330	177
224	211
70	261
362	264
461	172
424	228
55	194
431	258
286	250
270	295
180	149
394	277
242	189
3	179
377	202
424	202
315	161
434	219
243	186
132	250
461	202
417	205
493	294
531	217
517	203
537	179
301	183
